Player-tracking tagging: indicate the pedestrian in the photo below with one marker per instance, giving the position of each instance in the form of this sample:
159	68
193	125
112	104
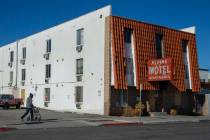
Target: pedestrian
29	107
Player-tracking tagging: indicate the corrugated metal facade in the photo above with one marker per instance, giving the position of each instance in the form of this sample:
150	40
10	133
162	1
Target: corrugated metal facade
144	48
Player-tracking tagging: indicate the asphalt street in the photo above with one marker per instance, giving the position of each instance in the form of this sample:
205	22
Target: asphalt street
176	131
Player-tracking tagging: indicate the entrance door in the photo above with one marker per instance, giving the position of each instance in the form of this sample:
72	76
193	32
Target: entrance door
23	94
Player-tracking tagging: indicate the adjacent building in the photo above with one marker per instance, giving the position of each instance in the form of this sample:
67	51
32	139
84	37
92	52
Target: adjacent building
98	63
202	100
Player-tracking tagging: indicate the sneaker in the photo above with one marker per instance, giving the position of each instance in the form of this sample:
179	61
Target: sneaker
22	120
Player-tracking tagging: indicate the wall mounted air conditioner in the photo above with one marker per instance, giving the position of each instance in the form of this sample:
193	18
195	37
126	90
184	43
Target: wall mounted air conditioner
46	56
47	80
10	64
22	61
23	83
10	84
79	48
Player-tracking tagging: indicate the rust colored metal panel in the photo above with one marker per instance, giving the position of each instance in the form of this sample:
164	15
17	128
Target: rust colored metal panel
144	50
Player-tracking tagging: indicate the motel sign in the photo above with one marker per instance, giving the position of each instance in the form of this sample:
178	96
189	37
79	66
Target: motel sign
160	69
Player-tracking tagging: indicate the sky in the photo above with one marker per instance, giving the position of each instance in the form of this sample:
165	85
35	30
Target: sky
20	18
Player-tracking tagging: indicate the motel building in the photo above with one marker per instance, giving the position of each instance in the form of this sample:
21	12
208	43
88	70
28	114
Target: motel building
98	64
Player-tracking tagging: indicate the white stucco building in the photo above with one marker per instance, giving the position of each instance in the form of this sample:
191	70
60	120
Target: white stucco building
45	64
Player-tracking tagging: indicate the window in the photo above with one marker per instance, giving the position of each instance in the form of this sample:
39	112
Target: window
184	50
23	74
80	37
79	94
184	46
48	71
127	35
11	76
185	61
48	46
79	66
159	45
202	80
24	53
47	97
186	72
12	56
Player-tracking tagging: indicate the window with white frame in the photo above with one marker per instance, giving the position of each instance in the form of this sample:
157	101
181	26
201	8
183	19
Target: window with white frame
23	74
48	71
79	94
11	56
79	66
11	77
80	37
46	97
24	53
49	43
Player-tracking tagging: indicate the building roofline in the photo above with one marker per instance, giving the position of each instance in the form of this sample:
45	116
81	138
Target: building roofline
177	30
203	69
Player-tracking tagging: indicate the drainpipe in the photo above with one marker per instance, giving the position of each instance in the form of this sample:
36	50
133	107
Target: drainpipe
16	78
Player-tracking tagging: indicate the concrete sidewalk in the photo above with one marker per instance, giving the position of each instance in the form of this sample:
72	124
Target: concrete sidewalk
51	119
161	119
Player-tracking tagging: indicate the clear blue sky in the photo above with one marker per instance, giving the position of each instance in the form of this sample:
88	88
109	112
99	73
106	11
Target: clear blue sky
20	18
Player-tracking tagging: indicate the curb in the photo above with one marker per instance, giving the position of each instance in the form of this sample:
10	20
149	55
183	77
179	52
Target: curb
5	129
123	124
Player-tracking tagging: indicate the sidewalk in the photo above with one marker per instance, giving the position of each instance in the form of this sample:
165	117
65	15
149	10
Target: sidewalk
51	119
161	120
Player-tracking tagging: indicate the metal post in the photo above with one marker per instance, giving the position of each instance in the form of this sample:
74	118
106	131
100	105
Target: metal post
140	103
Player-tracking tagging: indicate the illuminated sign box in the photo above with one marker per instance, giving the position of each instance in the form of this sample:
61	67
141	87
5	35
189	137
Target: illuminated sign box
160	69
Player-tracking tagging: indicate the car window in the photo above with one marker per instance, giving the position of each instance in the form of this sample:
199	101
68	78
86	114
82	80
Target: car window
10	97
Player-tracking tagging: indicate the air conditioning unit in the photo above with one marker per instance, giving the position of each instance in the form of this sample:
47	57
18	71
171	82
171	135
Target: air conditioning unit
10	64
46	56
79	48
78	105
10	84
22	61
47	80
22	83
79	78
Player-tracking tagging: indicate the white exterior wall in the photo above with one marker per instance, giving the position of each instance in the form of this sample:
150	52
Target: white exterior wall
5	69
189	29
203	74
209	76
63	64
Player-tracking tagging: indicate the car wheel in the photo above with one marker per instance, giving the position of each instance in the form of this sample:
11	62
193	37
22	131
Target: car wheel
18	106
6	106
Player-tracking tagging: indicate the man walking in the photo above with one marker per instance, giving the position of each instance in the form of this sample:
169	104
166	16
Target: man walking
29	107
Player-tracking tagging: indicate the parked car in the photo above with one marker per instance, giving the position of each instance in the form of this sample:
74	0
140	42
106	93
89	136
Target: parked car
7	100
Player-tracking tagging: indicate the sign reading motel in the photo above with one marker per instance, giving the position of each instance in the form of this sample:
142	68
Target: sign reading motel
160	69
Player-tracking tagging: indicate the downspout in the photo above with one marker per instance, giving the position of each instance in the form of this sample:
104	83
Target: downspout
16	78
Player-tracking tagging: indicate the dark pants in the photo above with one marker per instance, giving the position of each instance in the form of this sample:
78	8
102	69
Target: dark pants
26	113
